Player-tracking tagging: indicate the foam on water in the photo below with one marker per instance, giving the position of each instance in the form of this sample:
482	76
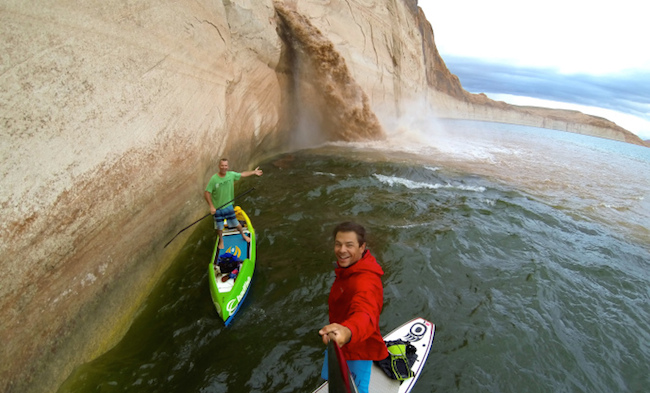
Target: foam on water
392	180
594	176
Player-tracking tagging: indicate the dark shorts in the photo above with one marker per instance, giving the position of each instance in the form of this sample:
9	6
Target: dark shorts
228	214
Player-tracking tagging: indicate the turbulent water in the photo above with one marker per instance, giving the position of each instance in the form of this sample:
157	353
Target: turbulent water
528	248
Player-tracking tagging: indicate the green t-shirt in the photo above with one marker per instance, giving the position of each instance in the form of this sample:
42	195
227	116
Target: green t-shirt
222	189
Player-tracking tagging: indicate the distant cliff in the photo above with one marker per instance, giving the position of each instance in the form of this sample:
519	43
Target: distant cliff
480	107
113	117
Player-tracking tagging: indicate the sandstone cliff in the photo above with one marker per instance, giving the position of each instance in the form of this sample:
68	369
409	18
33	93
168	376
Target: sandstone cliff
113	115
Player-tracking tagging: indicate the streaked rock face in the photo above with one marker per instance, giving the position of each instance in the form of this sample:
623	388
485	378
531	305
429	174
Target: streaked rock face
114	115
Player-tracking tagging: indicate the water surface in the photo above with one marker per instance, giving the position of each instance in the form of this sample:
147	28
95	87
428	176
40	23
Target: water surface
527	248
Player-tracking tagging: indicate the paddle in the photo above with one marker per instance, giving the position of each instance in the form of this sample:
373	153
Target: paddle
339	378
209	214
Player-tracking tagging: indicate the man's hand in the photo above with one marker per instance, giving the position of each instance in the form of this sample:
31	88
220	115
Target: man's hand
208	198
257	172
339	333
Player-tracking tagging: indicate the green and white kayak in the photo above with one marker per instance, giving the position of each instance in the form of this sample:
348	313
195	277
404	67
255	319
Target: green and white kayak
228	291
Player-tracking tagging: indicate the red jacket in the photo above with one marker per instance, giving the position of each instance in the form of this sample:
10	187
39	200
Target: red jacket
355	301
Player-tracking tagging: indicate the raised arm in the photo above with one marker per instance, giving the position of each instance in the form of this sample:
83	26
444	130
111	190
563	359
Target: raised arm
257	172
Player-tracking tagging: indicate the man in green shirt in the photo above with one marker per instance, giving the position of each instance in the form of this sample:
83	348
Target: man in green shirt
220	190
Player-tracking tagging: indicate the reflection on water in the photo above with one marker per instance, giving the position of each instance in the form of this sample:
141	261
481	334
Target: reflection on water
527	248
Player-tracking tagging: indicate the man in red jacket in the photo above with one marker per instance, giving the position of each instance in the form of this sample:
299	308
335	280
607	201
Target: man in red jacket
355	301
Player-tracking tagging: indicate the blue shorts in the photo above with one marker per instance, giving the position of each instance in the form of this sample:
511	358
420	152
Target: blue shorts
228	214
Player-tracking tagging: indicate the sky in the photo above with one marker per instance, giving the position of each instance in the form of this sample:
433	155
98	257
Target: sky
571	54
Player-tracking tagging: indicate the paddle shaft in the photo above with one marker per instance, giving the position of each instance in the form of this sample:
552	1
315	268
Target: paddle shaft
339	378
209	214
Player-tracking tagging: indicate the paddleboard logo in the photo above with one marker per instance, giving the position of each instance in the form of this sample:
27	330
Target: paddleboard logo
232	305
234	250
418	330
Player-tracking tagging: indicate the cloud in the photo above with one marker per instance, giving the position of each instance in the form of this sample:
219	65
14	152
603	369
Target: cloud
577	36
579	52
625	92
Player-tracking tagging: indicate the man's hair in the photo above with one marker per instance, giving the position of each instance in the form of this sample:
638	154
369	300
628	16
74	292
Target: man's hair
223	159
350	226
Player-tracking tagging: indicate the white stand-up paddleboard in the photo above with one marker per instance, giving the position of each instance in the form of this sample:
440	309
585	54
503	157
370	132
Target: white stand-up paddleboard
419	332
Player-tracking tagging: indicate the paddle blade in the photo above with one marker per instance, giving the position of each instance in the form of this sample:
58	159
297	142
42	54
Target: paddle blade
339	378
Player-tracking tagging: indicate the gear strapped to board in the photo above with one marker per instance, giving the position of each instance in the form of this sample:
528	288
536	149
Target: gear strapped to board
227	263
401	357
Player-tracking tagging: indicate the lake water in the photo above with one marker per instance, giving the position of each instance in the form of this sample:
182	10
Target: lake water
528	248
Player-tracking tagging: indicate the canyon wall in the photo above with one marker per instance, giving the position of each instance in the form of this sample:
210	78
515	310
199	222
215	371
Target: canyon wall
390	51
114	115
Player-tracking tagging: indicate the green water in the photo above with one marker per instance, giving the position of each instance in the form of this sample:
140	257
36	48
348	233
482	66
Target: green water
533	286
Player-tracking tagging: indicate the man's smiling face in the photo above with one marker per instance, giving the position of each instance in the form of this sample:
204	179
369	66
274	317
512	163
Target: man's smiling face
347	249
223	167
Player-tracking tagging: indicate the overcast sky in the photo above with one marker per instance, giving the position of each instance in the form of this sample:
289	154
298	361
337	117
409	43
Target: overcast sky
573	54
